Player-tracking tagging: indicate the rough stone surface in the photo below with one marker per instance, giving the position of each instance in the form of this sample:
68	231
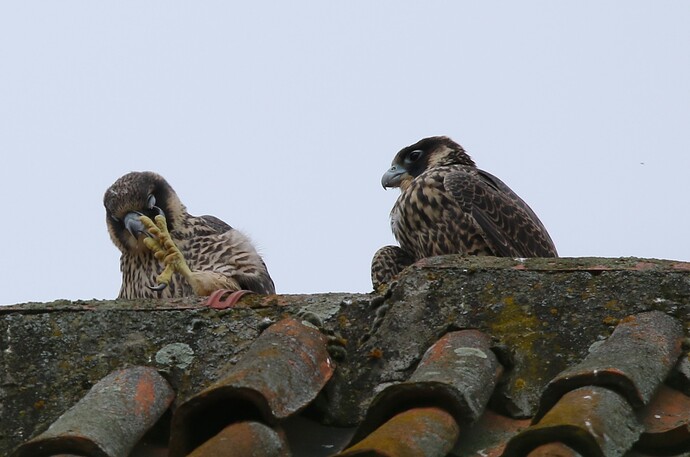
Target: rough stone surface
542	313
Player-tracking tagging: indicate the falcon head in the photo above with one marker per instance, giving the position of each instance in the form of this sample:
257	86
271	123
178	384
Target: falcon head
134	195
424	155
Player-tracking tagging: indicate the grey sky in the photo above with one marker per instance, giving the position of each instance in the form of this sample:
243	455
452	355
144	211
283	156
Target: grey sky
281	117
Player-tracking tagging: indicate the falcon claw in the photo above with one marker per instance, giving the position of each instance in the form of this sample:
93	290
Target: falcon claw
159	287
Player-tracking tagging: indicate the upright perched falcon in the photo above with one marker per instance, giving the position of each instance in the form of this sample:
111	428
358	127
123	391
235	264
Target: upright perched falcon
152	228
449	206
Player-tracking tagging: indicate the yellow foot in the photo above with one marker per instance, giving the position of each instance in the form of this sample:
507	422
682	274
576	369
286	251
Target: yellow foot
163	247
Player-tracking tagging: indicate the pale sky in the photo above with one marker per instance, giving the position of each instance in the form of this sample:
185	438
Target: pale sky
281	117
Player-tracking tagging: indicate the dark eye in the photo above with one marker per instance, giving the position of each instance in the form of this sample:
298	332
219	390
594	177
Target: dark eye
115	218
414	155
151	201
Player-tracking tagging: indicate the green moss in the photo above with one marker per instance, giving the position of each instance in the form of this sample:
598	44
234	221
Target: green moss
612	305
521	331
513	324
56	331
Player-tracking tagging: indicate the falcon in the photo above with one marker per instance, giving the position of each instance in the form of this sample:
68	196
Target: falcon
449	206
157	237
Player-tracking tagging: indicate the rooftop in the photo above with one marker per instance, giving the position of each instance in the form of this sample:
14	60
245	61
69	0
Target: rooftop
461	356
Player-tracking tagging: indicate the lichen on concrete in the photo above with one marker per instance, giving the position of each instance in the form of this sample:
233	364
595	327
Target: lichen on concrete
179	355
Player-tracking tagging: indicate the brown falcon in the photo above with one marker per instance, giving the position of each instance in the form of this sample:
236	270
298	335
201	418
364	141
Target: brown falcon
449	206
151	227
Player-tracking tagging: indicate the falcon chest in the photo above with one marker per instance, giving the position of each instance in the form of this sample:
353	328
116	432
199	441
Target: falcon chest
427	220
139	273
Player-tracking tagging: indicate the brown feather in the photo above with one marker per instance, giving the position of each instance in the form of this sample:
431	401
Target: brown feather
209	245
448	206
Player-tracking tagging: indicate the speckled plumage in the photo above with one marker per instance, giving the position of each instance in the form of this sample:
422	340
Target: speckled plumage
222	256
449	206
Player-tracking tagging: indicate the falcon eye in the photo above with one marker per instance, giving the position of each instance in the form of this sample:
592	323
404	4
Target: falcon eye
115	218
414	155
151	202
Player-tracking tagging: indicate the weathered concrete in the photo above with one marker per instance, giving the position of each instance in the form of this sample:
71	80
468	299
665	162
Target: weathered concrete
543	314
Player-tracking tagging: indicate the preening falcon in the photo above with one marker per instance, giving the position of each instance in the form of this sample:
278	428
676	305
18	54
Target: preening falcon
157	237
449	206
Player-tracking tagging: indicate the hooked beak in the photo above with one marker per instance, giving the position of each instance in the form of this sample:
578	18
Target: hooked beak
133	224
393	177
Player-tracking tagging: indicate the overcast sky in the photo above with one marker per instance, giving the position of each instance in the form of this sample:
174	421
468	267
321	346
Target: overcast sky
280	118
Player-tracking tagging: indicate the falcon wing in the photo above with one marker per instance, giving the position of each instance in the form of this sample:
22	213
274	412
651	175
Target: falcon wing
244	265
511	229
257	280
216	224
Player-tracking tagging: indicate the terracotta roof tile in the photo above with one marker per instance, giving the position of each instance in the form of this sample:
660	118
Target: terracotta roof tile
415	432
442	406
554	450
595	421
666	422
458	373
439	410
109	420
281	373
634	361
488	436
245	439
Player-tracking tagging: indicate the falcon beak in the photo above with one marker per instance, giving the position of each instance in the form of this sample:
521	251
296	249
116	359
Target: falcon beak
393	177
133	224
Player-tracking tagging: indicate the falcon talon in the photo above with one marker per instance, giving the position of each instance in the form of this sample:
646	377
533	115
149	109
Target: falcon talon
161	286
